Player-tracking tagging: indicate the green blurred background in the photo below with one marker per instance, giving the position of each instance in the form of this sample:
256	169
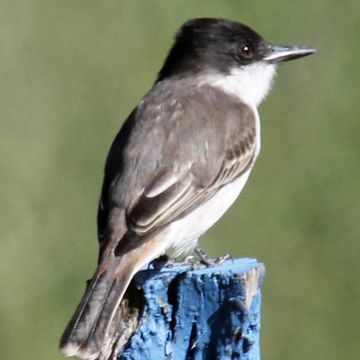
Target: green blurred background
71	71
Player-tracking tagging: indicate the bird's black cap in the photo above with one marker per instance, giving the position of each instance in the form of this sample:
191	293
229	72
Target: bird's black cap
211	44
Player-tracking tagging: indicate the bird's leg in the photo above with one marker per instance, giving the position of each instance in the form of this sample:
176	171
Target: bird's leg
205	259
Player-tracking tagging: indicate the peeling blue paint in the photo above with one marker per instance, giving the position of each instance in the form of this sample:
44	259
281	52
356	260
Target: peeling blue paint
197	314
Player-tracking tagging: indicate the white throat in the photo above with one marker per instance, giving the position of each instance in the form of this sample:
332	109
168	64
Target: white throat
250	83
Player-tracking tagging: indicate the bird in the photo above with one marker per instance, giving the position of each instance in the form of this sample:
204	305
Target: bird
178	163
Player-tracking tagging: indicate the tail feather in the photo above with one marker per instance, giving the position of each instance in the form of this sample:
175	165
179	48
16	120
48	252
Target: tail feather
86	331
89	328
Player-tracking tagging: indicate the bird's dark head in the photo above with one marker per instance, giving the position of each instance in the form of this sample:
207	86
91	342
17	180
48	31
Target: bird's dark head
210	45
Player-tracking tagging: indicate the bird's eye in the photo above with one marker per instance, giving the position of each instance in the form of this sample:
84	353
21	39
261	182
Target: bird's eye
245	52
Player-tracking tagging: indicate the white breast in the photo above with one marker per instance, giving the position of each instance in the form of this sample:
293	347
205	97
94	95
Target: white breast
182	234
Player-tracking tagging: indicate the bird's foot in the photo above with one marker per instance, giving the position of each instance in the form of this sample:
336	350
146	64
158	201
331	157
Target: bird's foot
221	259
205	259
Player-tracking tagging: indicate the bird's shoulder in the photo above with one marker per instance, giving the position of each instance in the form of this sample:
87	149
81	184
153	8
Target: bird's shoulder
182	122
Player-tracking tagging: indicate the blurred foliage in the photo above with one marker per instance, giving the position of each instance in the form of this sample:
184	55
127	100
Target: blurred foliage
71	71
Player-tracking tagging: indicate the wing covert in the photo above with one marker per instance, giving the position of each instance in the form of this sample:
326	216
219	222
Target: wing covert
178	150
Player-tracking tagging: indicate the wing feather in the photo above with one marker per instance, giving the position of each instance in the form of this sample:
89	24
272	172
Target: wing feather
185	195
196	148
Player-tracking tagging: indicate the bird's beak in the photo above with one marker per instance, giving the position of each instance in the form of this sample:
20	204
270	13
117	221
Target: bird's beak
277	53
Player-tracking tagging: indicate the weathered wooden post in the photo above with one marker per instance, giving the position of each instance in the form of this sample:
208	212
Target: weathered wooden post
180	312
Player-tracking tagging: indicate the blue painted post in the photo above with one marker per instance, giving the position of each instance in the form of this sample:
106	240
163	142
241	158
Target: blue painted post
192	314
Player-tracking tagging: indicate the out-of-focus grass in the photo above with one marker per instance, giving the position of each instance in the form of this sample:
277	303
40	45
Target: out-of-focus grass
70	74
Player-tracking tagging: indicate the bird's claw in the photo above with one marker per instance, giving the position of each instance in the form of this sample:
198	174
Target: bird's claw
208	261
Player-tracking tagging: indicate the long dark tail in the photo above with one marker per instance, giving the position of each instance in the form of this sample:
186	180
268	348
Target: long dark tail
85	334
